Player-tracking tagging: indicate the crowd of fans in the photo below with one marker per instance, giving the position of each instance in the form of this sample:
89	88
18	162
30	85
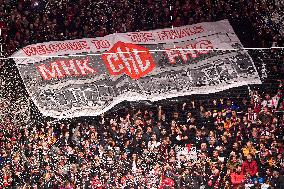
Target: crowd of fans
25	22
225	143
233	143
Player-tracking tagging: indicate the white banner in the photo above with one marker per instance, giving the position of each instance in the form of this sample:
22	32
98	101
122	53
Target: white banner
90	76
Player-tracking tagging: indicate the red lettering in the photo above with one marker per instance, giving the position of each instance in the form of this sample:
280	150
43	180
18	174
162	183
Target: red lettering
188	51
54	47
182	33
172	55
53	71
163	35
69	46
191	53
173	34
84	45
62	46
198	29
187	32
204	44
29	51
141	37
105	44
75	46
127	59
178	33
41	50
101	44
134	37
114	64
69	67
96	43
84	68
63	68
47	49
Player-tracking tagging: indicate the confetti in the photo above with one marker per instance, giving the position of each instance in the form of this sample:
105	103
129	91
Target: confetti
230	139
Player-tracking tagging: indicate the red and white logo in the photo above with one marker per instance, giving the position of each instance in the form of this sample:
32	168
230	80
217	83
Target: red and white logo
133	60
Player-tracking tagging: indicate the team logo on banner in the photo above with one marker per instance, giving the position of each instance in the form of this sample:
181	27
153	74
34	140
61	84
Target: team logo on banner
133	60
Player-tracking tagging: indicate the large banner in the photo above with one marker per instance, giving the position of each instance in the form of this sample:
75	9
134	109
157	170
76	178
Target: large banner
86	77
